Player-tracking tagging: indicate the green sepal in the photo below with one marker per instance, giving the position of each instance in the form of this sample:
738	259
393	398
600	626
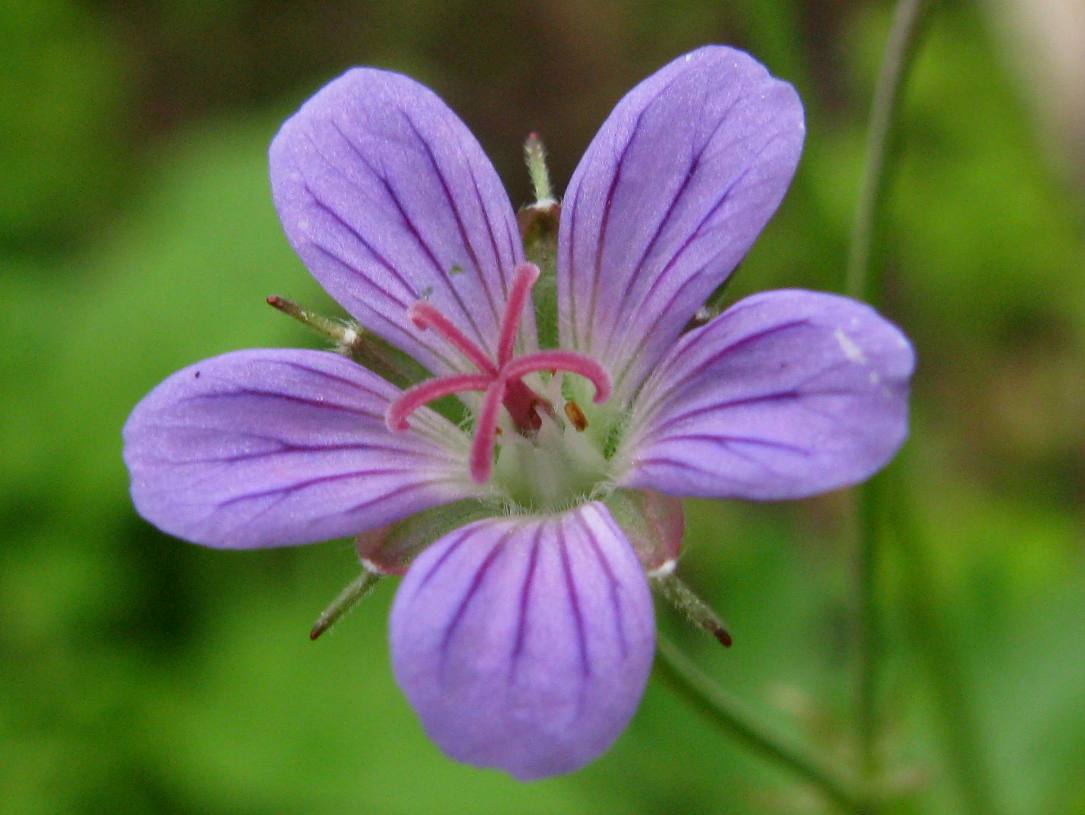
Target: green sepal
385	360
390	549
347	599
668	585
539	230
653	523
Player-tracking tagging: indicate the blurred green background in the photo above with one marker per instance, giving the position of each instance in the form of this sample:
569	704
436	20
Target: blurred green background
142	674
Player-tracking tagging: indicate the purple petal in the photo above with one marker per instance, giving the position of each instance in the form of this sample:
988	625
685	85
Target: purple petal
671	193
388	198
525	644
268	448
787	394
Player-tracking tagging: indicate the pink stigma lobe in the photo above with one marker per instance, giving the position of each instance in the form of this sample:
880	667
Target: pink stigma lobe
500	379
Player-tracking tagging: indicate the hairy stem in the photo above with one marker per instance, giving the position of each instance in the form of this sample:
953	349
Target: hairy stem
734	719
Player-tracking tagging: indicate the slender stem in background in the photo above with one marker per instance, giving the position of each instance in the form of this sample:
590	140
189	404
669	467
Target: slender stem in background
863	281
904	36
901	47
732	717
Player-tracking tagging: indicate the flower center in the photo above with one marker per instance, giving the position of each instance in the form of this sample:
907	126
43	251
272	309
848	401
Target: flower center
500	380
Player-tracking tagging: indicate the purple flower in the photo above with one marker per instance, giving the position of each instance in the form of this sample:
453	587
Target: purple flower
524	640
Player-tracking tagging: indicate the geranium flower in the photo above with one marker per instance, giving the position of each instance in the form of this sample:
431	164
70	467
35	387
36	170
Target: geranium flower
524	640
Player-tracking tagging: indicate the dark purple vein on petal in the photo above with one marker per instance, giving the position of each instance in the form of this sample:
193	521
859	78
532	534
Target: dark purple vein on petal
471	593
289	489
698	369
682	347
377	499
681	464
288	449
524	604
696	235
660	316
727	440
574	602
789	395
361	304
353	384
759	463
250	393
612	584
676	199
663	275
403	489
354	233
499	265
608	204
465	534
412	228
464	238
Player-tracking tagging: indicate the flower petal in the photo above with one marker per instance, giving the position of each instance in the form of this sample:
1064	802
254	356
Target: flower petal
787	394
388	198
276	447
525	644
671	193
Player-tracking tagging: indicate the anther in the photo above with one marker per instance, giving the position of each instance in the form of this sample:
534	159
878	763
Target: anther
576	416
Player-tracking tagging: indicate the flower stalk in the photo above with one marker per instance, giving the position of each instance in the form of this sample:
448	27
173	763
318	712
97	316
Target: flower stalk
907	29
732	717
863	281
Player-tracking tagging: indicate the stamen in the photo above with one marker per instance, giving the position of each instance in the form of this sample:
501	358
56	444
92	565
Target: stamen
562	361
526	275
576	416
395	417
501	379
482	450
425	316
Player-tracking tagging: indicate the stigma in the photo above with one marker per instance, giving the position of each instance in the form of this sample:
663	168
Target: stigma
500	379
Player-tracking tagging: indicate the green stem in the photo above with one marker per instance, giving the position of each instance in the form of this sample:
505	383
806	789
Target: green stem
904	36
734	719
900	49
